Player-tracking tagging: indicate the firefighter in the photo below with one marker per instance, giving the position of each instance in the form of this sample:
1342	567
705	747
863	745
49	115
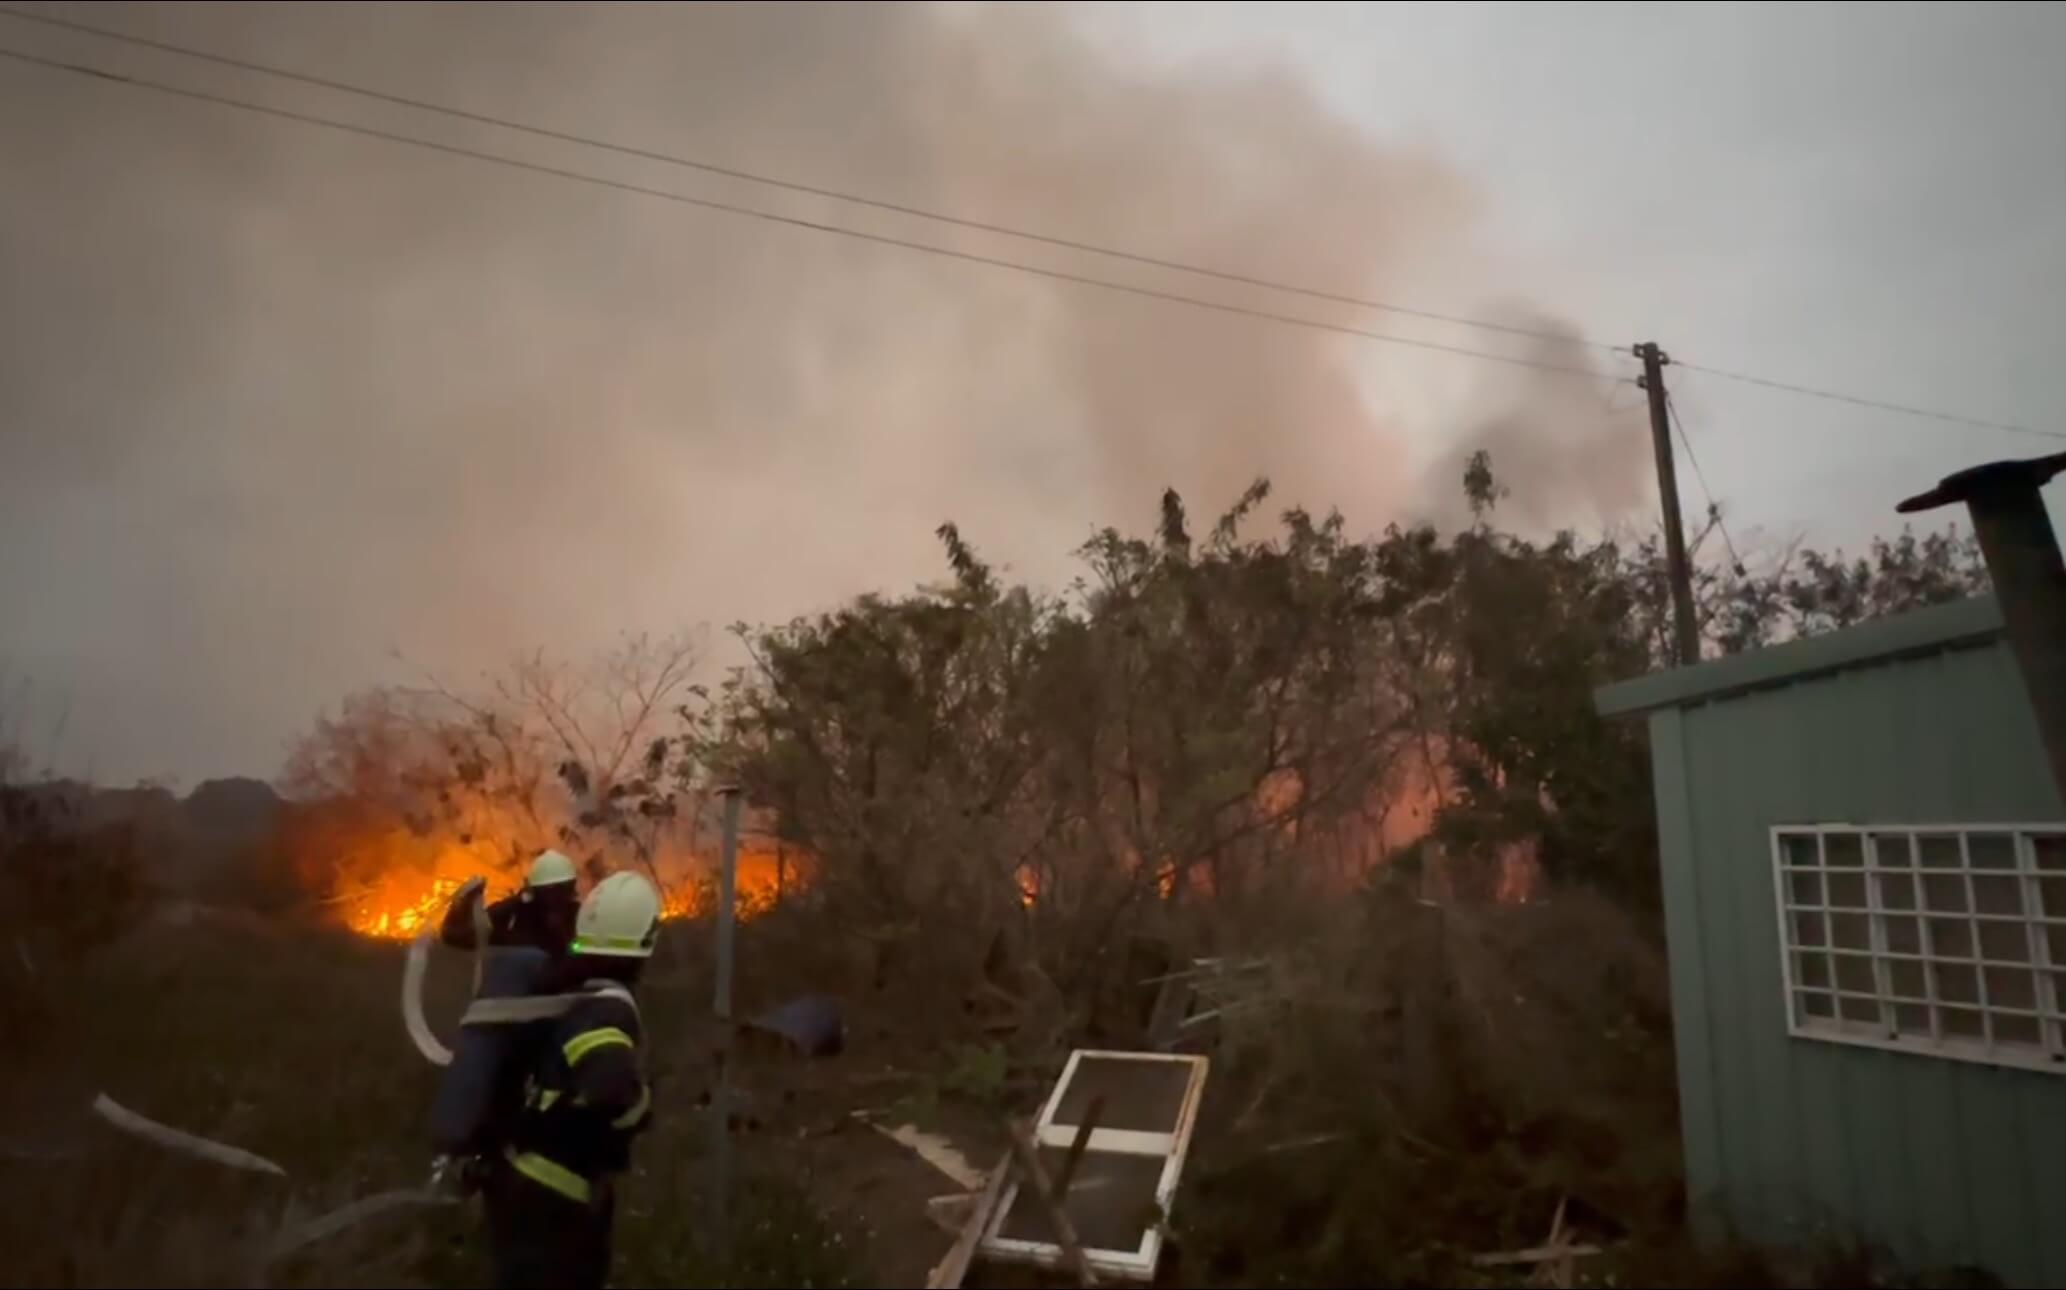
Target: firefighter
540	914
549	1190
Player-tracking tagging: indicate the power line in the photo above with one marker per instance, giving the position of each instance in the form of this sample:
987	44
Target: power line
793	221
1881	405
915	212
561	136
1714	508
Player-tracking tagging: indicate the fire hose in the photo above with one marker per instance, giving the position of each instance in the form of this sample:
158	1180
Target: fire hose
479	1011
448	1181
448	1178
290	1239
418	964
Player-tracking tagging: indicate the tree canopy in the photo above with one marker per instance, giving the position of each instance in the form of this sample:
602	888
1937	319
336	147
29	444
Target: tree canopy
1234	711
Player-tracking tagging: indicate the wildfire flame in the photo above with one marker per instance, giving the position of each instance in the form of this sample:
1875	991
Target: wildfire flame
405	898
399	910
394	884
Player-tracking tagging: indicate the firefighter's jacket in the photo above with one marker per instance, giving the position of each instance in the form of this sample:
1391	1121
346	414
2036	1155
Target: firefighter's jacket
584	1096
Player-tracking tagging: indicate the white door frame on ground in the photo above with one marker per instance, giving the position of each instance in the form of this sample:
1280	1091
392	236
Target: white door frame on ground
1137	1264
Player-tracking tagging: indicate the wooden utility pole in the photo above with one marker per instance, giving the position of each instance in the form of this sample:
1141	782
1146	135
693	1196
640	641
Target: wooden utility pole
1686	629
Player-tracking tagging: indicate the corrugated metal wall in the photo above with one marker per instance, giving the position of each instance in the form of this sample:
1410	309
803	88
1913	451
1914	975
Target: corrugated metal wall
1798	1140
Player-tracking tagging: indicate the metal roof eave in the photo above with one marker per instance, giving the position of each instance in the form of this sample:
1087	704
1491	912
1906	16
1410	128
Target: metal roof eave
1973	621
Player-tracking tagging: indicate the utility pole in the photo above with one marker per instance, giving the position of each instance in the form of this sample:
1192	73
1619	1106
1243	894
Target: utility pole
1686	630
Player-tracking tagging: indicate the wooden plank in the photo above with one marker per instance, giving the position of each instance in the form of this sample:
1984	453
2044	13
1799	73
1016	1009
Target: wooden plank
931	1148
1035	1178
1076	1148
949	1272
1540	1254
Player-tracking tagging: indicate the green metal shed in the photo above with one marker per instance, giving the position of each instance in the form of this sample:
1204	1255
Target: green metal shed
1864	876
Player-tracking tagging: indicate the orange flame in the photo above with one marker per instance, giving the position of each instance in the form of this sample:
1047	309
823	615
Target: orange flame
407	896
399	909
760	879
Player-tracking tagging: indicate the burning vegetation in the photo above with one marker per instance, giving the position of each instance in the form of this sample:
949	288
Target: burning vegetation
1215	725
398	907
402	898
1262	717
1206	726
409	793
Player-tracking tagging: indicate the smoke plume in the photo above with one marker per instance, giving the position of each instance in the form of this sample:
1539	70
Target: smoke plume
275	400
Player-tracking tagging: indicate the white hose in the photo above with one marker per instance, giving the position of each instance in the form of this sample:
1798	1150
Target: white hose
481	1012
352	1215
412	1003
418	965
165	1136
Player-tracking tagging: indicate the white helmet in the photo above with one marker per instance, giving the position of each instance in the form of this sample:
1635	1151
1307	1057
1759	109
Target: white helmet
620	918
550	869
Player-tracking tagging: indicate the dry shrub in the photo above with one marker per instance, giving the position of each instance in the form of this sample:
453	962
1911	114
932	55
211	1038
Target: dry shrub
1425	1081
68	884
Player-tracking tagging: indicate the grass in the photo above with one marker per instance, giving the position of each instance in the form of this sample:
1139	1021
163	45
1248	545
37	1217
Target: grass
287	1042
780	1237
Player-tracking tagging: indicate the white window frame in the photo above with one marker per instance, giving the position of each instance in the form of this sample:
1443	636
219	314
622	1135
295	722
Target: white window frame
1137	1264
2047	973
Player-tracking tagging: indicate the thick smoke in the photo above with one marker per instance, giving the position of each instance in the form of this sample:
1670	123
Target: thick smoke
275	400
1569	452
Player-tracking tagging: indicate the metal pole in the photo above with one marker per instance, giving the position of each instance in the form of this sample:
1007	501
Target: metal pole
721	1007
1686	630
2029	577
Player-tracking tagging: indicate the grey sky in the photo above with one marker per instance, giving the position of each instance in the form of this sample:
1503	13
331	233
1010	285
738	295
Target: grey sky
1869	198
275	401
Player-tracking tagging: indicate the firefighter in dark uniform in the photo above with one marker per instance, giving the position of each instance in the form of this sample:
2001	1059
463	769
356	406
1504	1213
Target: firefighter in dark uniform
540	914
549	1190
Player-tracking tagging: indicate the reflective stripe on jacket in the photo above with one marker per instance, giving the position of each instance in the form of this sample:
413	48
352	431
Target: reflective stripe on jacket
585	1099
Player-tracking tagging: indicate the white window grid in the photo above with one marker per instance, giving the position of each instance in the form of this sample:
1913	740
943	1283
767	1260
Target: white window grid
1944	939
